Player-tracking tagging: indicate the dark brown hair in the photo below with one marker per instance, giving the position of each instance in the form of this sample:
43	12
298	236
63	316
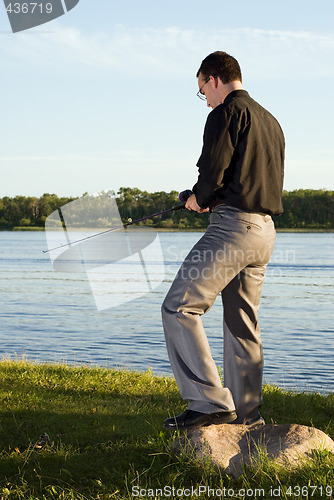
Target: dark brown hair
222	65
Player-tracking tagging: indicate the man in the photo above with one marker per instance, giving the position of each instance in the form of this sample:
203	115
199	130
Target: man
240	182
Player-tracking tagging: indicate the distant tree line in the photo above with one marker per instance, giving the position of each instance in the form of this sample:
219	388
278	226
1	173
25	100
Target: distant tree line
24	211
303	209
307	209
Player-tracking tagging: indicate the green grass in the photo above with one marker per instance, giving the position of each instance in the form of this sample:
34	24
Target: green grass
106	438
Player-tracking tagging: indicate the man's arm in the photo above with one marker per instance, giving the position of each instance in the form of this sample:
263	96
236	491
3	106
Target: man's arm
217	153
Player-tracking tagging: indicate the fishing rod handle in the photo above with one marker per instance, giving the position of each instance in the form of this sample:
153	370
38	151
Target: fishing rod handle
184	195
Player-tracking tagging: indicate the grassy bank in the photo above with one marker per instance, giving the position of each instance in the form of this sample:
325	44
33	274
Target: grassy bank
106	437
186	230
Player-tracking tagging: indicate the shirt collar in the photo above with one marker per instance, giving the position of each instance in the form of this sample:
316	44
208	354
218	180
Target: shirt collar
235	93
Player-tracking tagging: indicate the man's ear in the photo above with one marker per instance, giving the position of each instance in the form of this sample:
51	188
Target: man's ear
216	80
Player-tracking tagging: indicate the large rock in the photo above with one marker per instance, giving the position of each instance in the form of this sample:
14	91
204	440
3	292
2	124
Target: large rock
230	446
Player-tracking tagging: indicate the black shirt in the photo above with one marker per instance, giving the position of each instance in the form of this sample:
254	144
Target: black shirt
242	158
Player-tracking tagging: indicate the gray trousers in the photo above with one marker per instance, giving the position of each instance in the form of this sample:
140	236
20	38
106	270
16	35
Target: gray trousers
230	258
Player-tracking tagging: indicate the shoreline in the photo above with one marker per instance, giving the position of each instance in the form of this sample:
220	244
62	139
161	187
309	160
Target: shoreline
174	230
32	362
17	361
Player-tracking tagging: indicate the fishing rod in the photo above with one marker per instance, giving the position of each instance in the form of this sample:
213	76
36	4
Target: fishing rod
183	196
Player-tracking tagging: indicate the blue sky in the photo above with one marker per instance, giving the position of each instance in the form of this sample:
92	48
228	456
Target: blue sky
105	96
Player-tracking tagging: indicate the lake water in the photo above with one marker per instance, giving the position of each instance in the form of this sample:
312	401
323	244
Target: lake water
50	316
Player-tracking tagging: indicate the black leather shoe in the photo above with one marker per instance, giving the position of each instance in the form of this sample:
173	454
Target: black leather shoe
191	419
252	421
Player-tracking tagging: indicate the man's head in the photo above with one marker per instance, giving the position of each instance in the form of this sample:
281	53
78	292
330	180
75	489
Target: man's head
218	75
222	65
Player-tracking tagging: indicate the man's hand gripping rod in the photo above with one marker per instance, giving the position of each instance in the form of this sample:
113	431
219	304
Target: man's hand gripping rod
183	196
